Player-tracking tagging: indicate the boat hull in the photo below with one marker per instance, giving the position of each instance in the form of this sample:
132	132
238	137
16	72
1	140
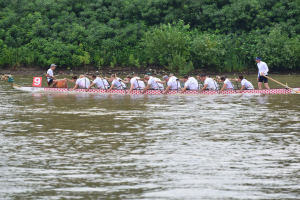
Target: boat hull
156	92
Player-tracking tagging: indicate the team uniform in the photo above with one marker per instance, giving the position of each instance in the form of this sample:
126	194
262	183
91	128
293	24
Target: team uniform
173	83
228	84
191	84
152	81
211	84
83	82
118	83
262	67
99	83
137	84
50	73
106	84
247	84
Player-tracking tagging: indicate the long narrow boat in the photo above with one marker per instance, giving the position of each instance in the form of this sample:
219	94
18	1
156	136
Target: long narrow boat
157	92
119	91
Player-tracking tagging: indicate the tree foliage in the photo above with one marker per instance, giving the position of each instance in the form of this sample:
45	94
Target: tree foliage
222	35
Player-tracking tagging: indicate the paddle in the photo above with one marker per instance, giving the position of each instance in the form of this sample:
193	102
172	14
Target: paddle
216	86
177	84
158	87
122	86
103	85
281	84
138	85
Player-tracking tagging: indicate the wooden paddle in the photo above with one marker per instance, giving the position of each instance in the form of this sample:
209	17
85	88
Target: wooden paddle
281	84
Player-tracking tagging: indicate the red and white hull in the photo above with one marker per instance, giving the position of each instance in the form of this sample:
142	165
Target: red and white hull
195	92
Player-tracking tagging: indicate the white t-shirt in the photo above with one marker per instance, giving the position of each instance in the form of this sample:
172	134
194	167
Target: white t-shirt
83	82
228	84
50	73
262	67
173	83
154	85
137	84
210	83
106	84
118	84
247	84
99	83
191	84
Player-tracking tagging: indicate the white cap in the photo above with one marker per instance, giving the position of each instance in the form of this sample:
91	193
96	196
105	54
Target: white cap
53	65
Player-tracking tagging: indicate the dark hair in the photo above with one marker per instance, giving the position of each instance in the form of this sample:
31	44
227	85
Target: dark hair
241	77
74	77
223	78
129	76
186	77
202	75
94	76
112	75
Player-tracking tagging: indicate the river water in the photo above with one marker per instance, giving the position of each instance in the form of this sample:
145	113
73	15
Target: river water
108	146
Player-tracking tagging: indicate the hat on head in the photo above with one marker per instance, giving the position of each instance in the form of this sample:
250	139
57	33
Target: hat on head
171	74
257	58
165	77
53	65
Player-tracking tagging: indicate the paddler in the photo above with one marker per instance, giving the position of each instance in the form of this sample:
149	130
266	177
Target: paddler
209	83
135	83
82	82
50	77
262	70
190	84
116	81
227	84
151	82
246	85
172	83
96	81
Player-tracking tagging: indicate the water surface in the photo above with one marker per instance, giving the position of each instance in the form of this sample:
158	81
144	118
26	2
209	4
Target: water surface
108	146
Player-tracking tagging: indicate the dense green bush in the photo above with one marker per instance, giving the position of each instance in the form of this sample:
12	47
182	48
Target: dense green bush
222	35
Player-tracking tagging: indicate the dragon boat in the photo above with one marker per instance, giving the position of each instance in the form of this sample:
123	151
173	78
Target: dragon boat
65	89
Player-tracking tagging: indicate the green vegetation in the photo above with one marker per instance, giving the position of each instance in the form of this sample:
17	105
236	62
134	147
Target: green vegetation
179	35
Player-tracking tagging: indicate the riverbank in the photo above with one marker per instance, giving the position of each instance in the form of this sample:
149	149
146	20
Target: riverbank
152	70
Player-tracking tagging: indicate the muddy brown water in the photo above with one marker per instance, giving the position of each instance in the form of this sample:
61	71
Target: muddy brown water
108	146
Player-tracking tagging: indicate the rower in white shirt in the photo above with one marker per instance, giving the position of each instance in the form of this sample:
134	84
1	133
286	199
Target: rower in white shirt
190	83
152	83
116	81
172	83
246	85
135	83
227	84
262	72
97	81
209	83
82	82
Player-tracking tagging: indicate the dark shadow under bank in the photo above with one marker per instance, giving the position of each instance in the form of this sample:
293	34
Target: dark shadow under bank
150	70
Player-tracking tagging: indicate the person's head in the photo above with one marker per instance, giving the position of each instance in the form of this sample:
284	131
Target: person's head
74	77
223	78
166	78
99	76
129	77
171	74
240	78
185	78
202	77
113	76
257	59
94	76
81	76
146	77
52	66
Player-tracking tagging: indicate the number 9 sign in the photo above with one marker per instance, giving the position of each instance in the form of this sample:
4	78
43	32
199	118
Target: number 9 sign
37	82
